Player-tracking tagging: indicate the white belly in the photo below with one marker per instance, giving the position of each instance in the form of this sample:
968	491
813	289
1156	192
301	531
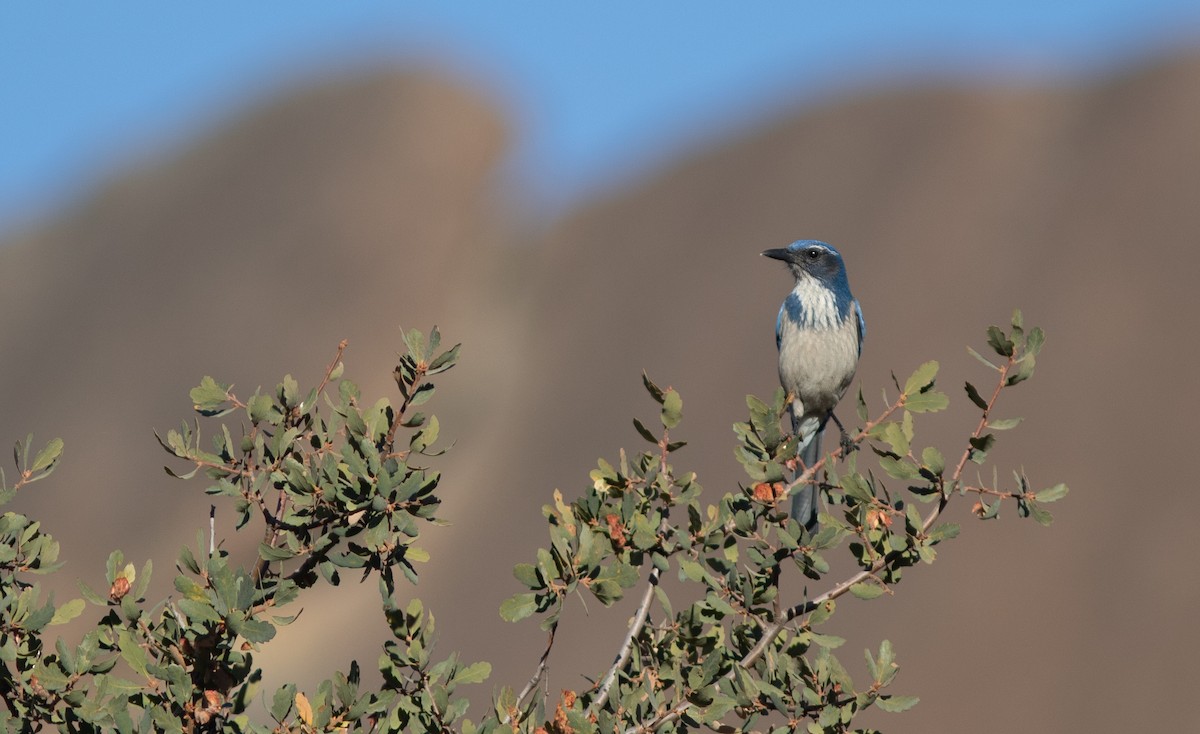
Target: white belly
817	365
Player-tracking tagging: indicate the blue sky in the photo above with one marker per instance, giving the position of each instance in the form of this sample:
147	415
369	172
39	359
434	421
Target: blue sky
597	91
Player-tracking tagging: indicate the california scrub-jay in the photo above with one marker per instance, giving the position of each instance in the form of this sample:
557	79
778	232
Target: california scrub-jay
819	334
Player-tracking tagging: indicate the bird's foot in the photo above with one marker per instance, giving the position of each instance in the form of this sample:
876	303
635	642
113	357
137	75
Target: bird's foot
845	441
847	444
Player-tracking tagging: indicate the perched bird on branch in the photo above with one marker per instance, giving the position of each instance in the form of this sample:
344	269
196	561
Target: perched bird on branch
819	334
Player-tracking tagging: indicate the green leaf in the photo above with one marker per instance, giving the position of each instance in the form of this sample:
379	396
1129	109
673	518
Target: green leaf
273	554
48	456
893	434
827	641
1035	340
415	341
111	566
690	570
188	475
518	607
527	574
927	402
190	589
644	432
945	531
921	379
444	361
1004	424
898	468
209	397
259	408
286	592
896	704
981	358
654	390
822	613
886	664
475	673
281	704
718	707
981	446
933	460
672	410
139	591
1000	343
864	590
187	560
67	612
90	595
289	390
427	436
1052	494
132	653
1040	514
198	611
256	630
975	397
1023	371
857	487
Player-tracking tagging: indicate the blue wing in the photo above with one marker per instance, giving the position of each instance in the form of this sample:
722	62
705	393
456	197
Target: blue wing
862	325
779	328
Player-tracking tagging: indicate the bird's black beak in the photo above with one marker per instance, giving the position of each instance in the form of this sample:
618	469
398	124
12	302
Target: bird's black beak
778	253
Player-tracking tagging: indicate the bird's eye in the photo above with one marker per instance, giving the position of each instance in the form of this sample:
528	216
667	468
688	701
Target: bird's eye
813	253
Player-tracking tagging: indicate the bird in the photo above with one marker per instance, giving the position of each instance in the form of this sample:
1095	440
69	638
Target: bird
819	334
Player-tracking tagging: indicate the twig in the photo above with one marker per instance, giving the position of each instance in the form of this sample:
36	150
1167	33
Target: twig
674	713
390	440
643	611
635	628
337	358
537	674
274	520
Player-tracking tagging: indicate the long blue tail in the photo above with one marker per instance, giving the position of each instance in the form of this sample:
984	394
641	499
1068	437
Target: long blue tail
805	503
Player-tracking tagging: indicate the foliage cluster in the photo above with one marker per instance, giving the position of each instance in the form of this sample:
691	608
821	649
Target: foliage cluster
340	487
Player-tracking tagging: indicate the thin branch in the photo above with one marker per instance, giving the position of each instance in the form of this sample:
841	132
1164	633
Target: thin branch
390	440
274	522
537	674
337	358
643	611
668	716
983	419
635	629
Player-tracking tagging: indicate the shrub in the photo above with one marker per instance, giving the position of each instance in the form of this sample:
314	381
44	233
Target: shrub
341	488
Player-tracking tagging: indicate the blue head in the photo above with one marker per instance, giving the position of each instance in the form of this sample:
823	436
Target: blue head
817	260
821	280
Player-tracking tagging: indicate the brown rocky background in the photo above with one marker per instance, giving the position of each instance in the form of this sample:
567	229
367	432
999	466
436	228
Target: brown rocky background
343	210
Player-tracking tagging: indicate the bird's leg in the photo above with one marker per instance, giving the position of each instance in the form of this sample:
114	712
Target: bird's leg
847	444
793	463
